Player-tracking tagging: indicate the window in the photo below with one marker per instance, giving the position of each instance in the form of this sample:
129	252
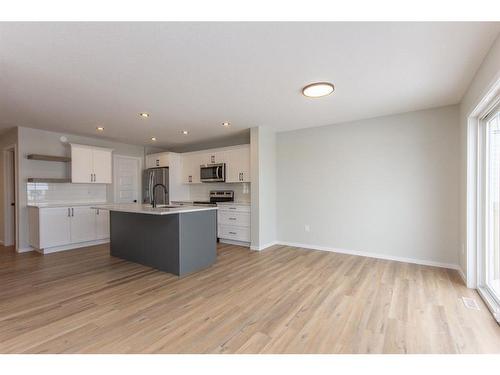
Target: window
490	259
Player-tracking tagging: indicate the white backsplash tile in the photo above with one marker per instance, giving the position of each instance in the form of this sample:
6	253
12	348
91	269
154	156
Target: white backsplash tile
200	192
65	193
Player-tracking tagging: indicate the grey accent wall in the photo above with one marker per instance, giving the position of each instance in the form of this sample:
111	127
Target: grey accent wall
387	186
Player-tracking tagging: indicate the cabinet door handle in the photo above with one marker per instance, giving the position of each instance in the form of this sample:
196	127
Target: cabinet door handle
72	212
97	211
69	212
232	208
232	233
232	218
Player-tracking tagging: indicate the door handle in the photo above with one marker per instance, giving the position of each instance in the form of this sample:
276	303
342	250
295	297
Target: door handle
13	204
72	212
69	212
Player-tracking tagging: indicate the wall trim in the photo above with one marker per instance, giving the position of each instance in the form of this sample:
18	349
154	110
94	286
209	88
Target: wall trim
265	246
25	249
72	246
462	275
372	255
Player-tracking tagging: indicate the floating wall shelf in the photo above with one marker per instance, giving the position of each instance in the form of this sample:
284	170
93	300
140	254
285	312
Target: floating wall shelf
48	180
64	159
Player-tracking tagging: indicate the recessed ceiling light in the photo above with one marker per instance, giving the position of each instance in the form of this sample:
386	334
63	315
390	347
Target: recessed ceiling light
99	129
226	124
185	132
318	89
144	114
153	139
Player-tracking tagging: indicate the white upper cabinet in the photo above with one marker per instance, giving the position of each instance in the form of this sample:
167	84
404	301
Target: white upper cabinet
238	164
90	164
212	157
102	166
237	159
161	159
191	167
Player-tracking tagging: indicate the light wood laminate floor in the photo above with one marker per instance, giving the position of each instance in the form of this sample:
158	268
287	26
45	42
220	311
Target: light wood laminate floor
281	300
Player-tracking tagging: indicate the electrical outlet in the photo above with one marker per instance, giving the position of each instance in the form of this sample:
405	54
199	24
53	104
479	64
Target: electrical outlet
307	228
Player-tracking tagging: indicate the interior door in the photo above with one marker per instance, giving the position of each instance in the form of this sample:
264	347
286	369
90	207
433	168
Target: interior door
126	179
102	166
10	222
83	224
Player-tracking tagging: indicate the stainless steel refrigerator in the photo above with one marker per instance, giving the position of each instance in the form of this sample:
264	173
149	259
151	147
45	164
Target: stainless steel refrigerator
150	178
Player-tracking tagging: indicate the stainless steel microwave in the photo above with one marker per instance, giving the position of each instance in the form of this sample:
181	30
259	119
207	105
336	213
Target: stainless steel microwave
213	172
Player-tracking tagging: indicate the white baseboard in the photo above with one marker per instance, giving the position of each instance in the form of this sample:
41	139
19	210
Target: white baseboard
233	242
265	246
25	249
372	255
55	249
462	275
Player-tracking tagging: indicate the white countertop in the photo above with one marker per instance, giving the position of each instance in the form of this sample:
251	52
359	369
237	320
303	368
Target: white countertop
236	203
146	209
64	204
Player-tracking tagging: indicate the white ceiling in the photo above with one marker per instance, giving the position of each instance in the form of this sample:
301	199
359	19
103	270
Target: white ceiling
73	77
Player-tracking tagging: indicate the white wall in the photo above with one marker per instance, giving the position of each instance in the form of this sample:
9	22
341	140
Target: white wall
386	186
487	74
6	139
263	192
45	142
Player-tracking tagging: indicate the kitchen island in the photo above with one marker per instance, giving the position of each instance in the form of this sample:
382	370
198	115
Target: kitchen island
178	240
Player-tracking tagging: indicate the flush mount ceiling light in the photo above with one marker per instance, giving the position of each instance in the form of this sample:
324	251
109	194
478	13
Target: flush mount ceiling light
99	129
153	139
226	124
185	132
318	89
144	114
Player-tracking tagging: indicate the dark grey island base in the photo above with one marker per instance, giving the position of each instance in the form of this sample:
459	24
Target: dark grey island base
179	243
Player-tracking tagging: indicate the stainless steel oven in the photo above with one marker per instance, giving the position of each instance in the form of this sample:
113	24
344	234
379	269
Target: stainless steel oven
213	172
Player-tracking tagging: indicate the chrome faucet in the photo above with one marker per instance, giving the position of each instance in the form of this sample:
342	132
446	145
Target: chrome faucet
153	200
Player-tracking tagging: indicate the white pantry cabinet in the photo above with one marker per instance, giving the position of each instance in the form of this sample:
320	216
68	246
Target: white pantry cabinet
238	164
62	228
91	164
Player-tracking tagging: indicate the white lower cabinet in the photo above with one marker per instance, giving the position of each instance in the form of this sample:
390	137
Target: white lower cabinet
63	228
54	227
233	223
83	224
102	224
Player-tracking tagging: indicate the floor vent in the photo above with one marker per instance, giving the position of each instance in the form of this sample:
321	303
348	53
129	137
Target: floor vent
470	303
